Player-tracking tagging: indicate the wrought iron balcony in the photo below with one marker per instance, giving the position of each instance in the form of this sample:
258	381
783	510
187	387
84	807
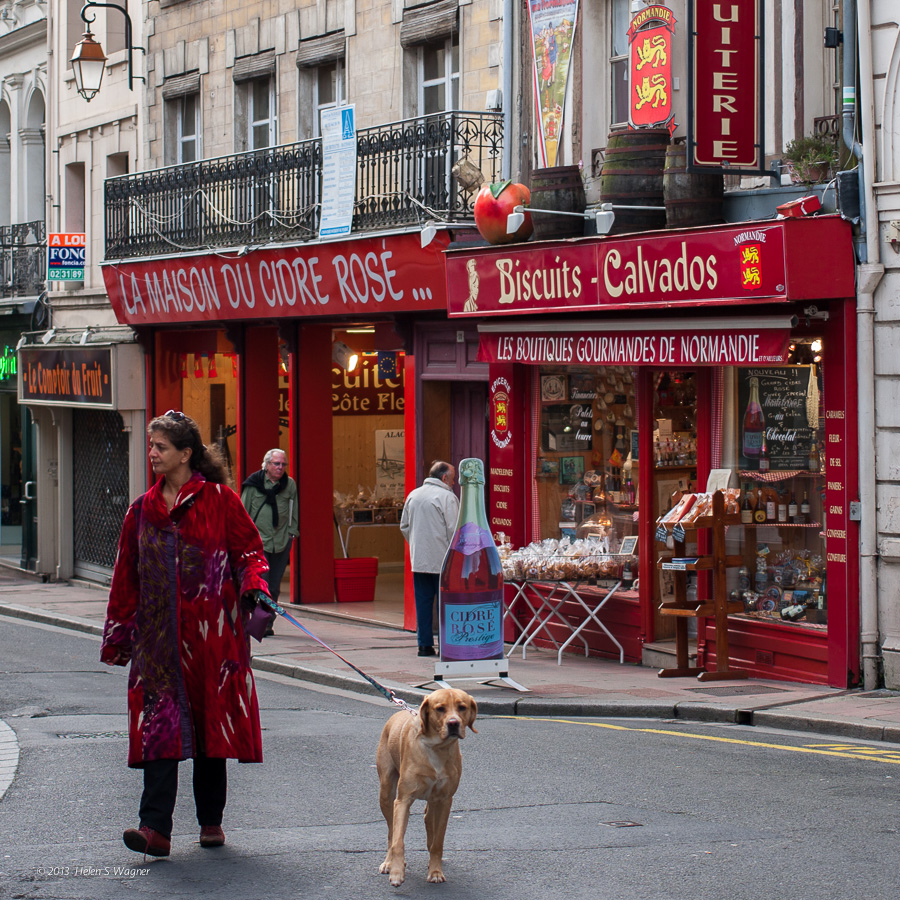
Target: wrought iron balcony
404	177
23	259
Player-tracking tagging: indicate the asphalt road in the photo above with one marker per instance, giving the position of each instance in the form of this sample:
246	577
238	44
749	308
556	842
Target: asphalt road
546	808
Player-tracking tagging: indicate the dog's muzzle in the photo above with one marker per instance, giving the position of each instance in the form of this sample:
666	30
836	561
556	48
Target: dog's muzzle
453	728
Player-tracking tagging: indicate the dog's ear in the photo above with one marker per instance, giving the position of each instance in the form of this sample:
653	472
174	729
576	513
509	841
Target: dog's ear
474	715
425	715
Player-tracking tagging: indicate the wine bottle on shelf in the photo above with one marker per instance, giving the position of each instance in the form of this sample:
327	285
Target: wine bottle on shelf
759	514
763	455
754	427
770	507
792	508
814	461
804	509
471	595
782	508
746	508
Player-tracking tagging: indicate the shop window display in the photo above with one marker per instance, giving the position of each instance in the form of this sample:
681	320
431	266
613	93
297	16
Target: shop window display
587	461
779	457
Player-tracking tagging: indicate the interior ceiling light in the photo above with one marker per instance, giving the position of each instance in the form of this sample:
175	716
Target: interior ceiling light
815	346
346	358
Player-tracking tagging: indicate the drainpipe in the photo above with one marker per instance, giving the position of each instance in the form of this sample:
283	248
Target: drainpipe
869	274
509	14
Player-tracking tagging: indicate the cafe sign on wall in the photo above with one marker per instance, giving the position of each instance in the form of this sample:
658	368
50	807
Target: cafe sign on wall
367	391
66	376
725	121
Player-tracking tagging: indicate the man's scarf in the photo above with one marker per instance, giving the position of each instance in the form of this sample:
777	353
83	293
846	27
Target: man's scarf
258	481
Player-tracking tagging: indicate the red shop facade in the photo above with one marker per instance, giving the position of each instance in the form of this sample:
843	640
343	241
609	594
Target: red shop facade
625	370
244	344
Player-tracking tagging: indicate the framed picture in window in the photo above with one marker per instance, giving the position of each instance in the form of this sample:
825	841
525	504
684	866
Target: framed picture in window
553	387
571	469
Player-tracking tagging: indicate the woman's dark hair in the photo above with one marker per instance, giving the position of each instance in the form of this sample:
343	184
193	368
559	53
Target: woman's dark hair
184	434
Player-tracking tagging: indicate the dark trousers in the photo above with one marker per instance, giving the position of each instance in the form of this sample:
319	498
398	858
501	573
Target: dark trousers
277	564
425	587
161	789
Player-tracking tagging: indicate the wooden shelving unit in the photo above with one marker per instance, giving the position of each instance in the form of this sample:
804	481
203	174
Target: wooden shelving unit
718	607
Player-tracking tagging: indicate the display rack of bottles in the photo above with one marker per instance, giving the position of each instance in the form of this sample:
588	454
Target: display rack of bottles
719	606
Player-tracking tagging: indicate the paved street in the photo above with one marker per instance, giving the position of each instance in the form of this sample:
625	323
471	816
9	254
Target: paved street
716	810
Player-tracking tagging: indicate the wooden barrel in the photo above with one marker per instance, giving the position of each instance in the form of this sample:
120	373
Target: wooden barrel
632	175
691	199
558	189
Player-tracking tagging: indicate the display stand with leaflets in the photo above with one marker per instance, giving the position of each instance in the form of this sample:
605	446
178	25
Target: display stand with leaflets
719	606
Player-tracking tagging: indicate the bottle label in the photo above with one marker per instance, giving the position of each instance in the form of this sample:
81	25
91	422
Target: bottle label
752	442
471	538
471	625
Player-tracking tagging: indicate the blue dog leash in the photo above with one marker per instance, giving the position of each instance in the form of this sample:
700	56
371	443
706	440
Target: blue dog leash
388	694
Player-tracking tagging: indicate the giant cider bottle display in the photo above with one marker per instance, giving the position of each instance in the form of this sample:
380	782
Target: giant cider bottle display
753	434
471	598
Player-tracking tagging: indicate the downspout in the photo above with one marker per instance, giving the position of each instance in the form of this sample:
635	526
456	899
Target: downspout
509	14
869	274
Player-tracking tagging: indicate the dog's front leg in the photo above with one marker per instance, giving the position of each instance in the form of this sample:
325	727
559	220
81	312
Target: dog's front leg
395	863
437	814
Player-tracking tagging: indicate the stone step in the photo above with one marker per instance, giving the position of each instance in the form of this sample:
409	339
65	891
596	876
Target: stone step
661	654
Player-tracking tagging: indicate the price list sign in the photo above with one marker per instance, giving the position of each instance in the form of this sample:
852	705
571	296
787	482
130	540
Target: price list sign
774	421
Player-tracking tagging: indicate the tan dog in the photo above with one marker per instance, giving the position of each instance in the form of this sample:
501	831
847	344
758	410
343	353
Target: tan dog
418	758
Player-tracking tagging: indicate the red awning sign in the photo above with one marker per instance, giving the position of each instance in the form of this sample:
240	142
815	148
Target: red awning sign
716	342
368	276
753	262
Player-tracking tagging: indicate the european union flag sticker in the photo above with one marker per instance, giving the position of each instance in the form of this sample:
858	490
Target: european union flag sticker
387	364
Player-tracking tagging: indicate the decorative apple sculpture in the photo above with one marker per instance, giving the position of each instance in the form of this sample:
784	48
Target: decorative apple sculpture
494	204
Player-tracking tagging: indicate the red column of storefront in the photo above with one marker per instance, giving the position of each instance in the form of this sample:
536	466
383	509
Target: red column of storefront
412	467
312	404
260	393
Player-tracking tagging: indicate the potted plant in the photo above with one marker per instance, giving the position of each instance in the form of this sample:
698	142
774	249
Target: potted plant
810	158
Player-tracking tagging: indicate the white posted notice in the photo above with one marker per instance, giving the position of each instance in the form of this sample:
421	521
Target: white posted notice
338	170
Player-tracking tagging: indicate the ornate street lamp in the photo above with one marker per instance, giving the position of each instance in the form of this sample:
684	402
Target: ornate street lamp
89	61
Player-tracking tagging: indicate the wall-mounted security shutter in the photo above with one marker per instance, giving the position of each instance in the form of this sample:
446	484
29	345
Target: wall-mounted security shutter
322	50
249	67
181	86
429	22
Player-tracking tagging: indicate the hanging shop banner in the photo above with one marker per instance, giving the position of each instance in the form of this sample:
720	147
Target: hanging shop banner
725	124
552	35
366	391
66	376
369	276
639	342
338	170
650	40
759	263
66	256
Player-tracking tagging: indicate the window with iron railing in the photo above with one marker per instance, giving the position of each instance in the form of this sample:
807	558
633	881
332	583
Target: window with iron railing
402	180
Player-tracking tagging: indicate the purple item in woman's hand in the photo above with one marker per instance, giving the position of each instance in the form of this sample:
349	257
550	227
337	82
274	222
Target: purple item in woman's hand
260	619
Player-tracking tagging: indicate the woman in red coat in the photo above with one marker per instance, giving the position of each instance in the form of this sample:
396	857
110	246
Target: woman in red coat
188	555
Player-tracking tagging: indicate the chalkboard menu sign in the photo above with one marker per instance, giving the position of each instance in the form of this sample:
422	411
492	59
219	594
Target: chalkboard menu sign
773	422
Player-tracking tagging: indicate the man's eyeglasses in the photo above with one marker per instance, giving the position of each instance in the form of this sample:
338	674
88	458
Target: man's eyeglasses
175	414
280	465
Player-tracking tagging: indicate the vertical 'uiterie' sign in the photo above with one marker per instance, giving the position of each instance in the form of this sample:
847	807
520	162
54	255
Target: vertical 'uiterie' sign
726	90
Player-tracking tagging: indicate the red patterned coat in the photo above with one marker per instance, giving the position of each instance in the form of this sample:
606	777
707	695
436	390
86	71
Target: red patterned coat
174	607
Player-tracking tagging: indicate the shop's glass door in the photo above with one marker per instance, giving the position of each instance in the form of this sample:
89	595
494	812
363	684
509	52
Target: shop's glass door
674	397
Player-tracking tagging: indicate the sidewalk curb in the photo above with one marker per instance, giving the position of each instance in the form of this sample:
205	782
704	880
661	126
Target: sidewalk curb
540	707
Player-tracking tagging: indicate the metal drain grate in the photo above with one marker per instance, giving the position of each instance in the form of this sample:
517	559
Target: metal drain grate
737	690
86	736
